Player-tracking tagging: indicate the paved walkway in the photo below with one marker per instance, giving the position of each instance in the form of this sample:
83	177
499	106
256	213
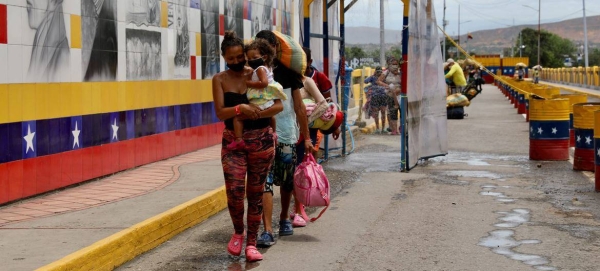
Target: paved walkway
129	184
121	186
77	217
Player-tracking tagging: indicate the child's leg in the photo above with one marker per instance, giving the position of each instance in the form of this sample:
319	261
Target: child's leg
238	128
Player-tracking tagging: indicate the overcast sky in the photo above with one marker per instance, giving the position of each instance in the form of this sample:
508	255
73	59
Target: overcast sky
475	14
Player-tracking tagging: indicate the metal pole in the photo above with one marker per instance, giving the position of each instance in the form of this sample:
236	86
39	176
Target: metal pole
444	27
381	35
404	155
344	102
512	41
458	51
585	38
521	46
539	29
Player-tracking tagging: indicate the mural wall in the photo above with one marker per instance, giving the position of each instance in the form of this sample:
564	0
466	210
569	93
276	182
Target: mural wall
93	87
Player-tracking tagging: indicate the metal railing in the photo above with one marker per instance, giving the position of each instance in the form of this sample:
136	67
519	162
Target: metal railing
573	76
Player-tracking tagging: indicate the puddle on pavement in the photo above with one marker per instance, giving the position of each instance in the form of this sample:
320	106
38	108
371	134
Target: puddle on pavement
503	243
500	197
476	159
369	162
473	174
514	218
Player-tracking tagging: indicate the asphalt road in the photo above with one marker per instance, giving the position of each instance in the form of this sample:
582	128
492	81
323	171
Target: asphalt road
484	206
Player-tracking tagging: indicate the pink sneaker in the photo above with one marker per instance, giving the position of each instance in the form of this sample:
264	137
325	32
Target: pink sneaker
298	221
236	145
252	254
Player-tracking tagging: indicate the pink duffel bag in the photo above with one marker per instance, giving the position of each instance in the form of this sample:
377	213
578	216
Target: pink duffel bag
311	186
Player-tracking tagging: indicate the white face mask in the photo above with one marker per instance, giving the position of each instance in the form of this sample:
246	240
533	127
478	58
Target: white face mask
394	67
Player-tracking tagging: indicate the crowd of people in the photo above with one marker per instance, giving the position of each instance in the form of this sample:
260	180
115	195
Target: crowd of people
266	135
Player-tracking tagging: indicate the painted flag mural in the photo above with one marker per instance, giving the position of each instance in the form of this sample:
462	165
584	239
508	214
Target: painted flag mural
118	84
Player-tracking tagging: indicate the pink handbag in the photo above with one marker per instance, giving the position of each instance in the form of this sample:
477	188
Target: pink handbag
311	186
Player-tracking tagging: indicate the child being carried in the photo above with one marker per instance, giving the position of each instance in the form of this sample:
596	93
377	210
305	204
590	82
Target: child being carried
262	89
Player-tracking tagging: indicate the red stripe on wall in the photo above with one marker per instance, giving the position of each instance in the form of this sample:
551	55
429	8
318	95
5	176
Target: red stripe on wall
3	25
222	25
193	66
25	178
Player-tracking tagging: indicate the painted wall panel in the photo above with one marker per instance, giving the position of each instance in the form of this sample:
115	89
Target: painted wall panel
88	88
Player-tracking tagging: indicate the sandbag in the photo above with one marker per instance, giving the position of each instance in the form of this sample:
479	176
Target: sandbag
457	99
290	53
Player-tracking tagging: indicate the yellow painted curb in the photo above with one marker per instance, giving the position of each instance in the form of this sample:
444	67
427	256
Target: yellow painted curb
117	249
369	129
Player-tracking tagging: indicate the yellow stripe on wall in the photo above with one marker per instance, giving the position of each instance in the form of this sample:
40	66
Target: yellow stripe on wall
24	102
75	31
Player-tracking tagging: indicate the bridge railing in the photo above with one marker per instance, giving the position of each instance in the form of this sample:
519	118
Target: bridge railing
573	76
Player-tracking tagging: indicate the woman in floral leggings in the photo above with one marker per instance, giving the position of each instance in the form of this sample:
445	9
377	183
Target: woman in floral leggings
254	161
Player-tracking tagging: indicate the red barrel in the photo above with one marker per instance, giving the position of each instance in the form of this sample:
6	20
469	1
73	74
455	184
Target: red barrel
549	129
521	105
573	99
583	126
596	148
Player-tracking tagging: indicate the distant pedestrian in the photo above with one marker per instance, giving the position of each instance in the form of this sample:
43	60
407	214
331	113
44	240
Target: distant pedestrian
520	72
377	100
536	75
245	170
390	81
457	75
477	78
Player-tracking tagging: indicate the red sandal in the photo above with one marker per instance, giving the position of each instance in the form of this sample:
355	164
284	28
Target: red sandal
235	244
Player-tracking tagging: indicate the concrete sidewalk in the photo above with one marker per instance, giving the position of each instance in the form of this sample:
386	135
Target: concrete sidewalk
44	229
85	225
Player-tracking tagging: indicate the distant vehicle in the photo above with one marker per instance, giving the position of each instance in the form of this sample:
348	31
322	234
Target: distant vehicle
568	62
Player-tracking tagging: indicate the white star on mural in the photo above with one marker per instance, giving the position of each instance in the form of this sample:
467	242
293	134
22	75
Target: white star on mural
540	131
598	151
76	133
588	140
115	128
531	129
578	138
29	139
554	130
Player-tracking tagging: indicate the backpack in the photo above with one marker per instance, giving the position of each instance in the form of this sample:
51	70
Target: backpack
311	186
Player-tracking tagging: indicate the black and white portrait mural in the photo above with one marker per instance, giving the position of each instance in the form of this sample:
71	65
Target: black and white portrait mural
144	12
209	23
50	55
99	40
234	16
143	54
261	16
179	48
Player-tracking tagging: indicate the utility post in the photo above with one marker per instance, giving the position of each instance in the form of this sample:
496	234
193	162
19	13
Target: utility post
444	23
381	35
585	50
